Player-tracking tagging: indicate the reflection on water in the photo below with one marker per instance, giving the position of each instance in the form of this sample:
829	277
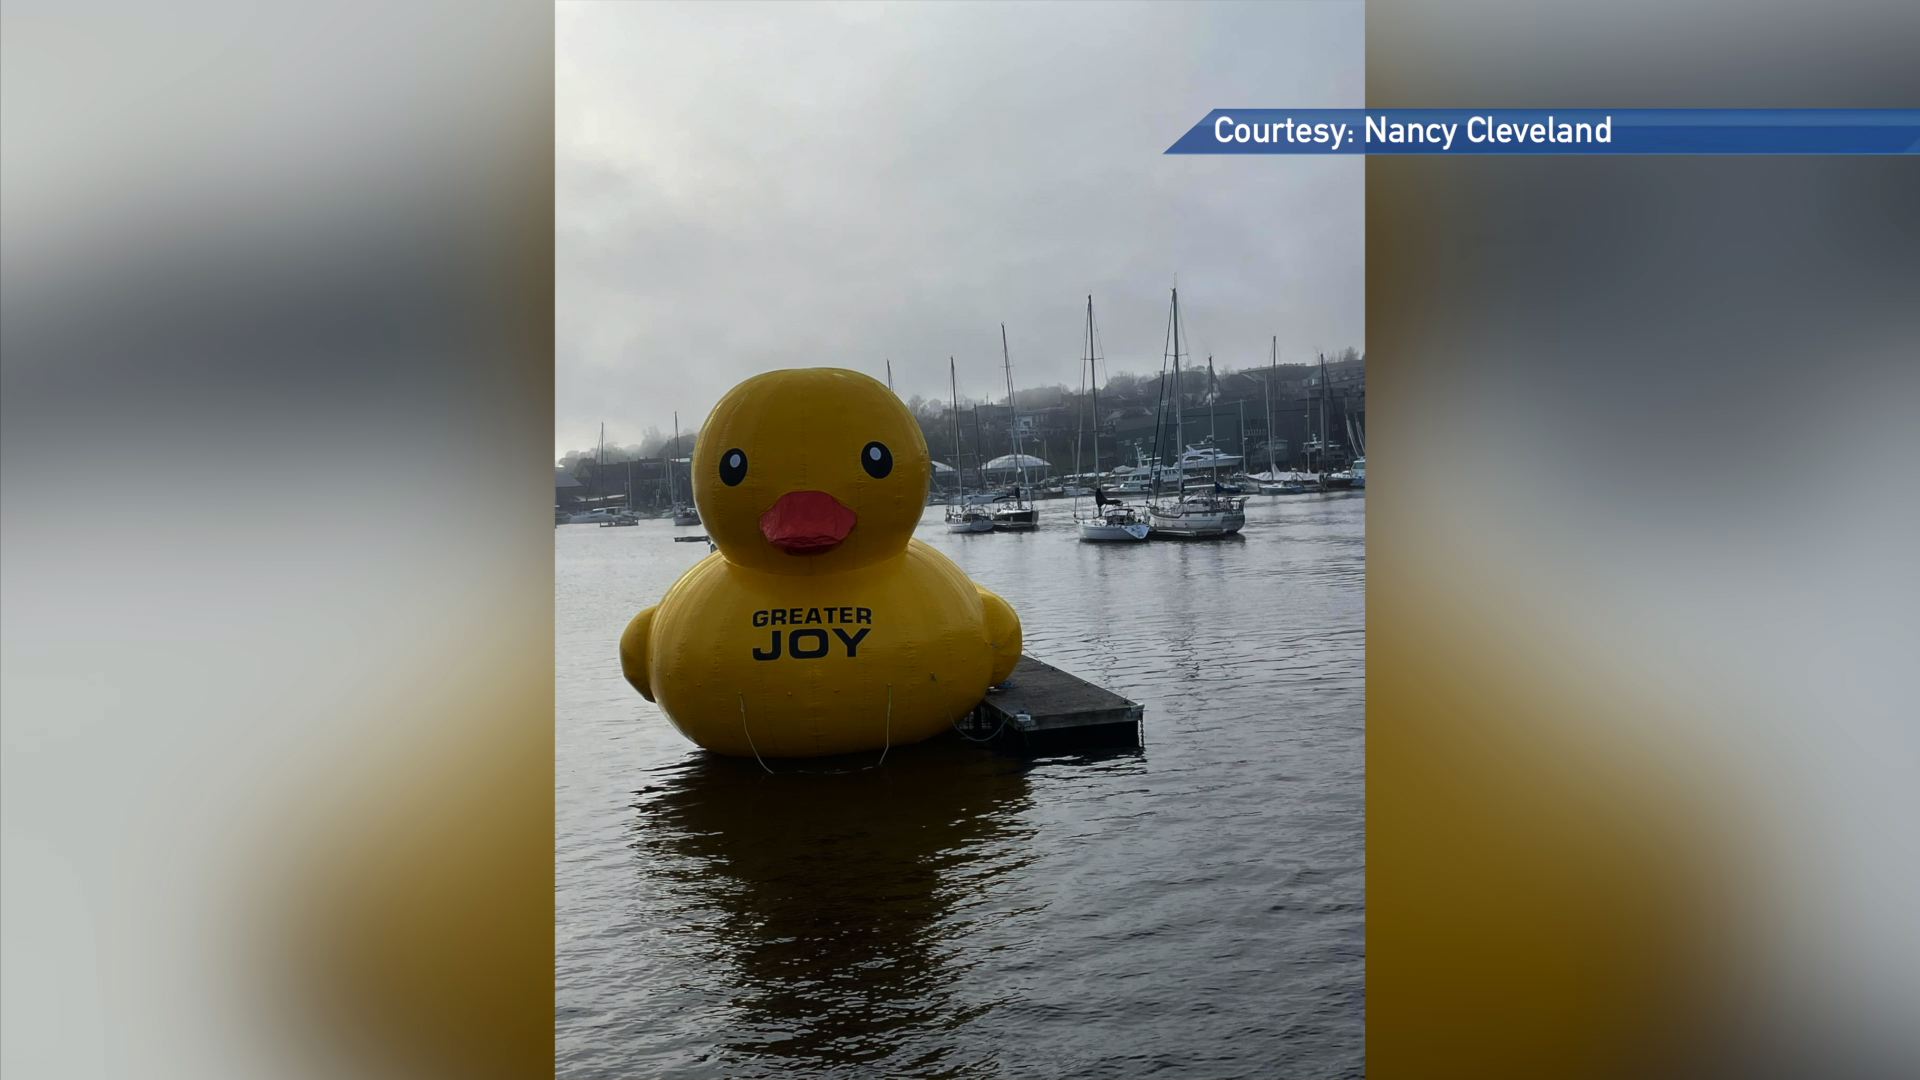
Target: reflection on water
838	903
1193	909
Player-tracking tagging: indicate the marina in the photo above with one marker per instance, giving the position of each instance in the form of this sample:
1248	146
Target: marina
1188	478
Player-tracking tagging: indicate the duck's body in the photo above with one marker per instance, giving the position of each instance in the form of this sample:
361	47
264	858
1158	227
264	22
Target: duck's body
819	626
747	662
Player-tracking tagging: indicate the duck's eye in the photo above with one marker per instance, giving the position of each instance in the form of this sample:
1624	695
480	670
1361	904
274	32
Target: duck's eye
733	466
877	460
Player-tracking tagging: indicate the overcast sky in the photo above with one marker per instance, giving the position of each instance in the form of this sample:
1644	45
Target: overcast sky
746	188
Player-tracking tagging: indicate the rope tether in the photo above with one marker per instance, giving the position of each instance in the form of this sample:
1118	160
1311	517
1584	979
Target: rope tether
748	732
957	730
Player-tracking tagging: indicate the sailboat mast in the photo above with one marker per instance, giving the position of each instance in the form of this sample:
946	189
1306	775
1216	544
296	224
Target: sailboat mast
1323	411
1093	374
1013	411
1080	425
979	446
1306	448
1213	420
1273	371
1160	411
959	467
673	492
1179	418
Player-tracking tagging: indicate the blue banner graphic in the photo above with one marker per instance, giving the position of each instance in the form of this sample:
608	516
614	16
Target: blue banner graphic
1554	131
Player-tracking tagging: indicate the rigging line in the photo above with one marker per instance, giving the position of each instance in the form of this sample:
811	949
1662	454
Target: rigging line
1100	354
884	749
889	743
1160	417
749	734
1080	417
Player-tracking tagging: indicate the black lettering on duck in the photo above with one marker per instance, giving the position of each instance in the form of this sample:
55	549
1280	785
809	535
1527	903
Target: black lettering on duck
815	647
852	642
771	653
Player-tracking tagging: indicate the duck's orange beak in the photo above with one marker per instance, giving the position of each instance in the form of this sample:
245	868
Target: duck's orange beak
807	522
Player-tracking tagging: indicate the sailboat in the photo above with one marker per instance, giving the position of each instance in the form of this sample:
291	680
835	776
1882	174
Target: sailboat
962	518
683	513
1330	480
1021	516
603	515
1192	515
624	515
1207	457
1112	519
1273	481
1357	438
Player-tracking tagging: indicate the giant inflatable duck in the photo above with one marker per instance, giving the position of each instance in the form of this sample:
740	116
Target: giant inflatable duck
819	625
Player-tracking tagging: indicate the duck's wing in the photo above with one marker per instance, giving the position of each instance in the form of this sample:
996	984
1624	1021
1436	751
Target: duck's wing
1003	634
634	652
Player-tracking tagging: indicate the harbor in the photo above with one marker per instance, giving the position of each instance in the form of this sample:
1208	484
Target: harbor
1174	456
874	916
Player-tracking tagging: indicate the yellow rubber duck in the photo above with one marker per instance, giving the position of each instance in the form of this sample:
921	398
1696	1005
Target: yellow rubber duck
819	626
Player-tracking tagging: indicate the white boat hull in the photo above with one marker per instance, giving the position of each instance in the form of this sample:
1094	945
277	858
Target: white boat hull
970	524
1102	531
1197	524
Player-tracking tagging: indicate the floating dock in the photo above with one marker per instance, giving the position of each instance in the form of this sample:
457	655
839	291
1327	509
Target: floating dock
1041	707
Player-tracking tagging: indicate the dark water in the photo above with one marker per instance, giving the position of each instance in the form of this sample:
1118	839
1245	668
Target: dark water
1195	908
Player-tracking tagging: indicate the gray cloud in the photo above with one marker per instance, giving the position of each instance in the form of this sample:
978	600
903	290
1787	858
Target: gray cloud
745	187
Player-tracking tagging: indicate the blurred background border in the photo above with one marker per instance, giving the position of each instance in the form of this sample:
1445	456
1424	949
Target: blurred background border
275	423
1641	586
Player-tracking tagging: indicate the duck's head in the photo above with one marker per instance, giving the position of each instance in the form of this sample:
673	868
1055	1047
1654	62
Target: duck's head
810	470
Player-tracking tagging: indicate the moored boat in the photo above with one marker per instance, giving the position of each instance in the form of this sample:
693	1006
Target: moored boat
1199	517
1015	519
1112	520
1285	483
1192	515
1115	521
1207	458
1018	515
962	516
683	513
1353	476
